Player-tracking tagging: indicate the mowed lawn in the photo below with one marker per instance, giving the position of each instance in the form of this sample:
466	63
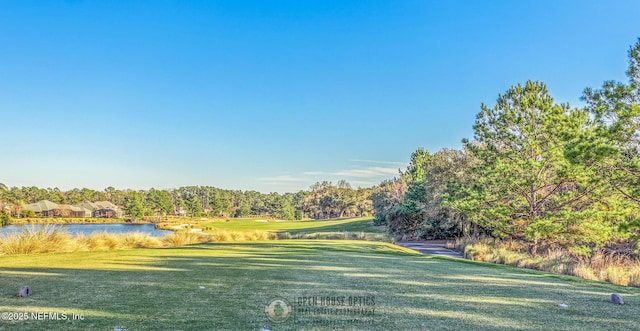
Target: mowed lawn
160	289
364	224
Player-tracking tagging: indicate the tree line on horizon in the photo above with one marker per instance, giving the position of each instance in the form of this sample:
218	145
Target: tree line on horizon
322	200
536	171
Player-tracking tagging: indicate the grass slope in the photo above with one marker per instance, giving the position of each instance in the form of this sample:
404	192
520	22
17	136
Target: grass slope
323	226
158	289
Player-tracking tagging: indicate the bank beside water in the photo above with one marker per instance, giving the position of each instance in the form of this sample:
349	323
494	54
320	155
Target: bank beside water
35	239
88	229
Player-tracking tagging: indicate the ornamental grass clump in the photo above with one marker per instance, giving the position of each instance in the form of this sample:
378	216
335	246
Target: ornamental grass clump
37	239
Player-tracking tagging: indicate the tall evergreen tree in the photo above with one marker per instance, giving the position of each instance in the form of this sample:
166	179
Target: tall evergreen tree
616	143
134	205
524	186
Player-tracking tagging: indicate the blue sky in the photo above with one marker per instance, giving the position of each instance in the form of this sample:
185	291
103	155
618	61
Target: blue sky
275	95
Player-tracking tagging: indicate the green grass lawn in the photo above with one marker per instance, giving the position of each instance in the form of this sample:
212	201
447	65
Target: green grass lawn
324	226
159	289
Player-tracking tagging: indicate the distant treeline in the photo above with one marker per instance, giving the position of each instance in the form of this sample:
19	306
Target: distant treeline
322	200
536	171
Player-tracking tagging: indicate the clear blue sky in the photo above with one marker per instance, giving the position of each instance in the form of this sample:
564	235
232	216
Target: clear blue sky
275	95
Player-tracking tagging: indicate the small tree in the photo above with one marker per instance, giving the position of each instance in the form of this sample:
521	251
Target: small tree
194	206
5	218
28	213
133	205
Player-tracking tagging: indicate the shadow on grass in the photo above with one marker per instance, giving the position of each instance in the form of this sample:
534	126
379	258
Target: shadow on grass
226	286
355	226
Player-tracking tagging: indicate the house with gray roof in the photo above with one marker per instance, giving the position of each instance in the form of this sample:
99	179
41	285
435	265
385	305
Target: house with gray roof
44	208
102	209
74	211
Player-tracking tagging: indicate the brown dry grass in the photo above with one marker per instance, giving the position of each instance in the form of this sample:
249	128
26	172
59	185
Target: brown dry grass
50	239
611	267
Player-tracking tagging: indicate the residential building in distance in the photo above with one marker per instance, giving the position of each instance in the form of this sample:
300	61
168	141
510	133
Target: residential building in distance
98	209
102	209
44	208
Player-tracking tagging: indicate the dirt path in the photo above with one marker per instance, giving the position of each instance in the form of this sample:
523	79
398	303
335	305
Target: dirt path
433	247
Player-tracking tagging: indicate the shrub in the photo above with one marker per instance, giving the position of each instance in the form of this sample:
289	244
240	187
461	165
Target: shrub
101	241
260	235
44	239
615	274
378	221
180	238
634	274
477	252
583	270
28	213
284	235
140	240
221	235
5	218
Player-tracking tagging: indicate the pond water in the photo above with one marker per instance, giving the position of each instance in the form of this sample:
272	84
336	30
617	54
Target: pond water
86	229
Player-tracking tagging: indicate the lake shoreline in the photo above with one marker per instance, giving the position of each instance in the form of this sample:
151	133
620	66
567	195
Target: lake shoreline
89	228
44	220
